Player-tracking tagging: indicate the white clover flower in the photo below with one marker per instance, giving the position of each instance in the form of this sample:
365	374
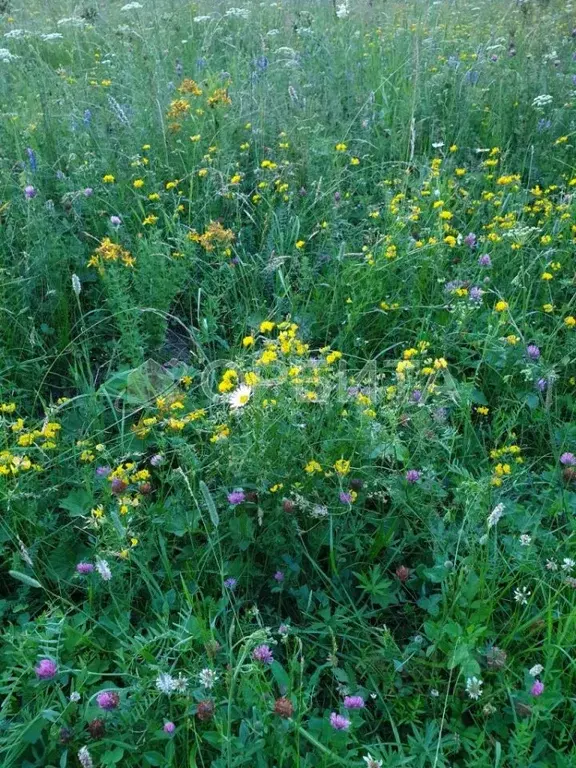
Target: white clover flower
165	683
551	565
371	762
180	684
525	540
474	688
536	670
568	564
521	595
207	678
75	697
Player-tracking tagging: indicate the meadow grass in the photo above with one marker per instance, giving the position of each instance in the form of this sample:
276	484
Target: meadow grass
288	365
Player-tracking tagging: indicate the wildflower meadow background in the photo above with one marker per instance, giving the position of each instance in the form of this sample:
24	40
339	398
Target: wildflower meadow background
288	368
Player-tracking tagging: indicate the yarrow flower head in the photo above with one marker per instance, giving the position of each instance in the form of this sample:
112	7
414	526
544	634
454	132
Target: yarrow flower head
263	654
46	669
536	670
339	722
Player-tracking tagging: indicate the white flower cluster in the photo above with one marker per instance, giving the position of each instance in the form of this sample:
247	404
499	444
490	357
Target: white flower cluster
238	13
131	7
542	101
6	57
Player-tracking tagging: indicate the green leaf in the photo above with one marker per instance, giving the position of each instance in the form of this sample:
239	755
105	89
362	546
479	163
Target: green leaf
212	511
77	502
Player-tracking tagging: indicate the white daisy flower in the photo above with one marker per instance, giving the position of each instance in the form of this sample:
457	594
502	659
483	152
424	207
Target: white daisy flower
240	397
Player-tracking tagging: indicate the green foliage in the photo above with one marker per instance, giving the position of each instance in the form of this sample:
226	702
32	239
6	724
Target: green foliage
288	368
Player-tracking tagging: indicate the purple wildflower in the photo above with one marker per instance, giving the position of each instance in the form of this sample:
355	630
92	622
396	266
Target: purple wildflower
339	722
475	294
84	568
46	669
537	688
542	385
345	497
416	396
568	459
103	471
108	700
169	728
354	702
279	576
88	192
263	654
237	497
412	476
157	459
230	583
30	192
115	221
485	260
533	352
471	240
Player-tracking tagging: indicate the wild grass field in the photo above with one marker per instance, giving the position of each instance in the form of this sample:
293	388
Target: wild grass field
287	384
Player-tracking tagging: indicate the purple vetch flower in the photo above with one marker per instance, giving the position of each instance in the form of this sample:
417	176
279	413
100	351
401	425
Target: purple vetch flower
537	688
339	722
87	117
279	576
115	221
354	702
416	396
30	192
337	197
346	497
108	700
471	240
485	260
169	728
230	583
543	125
46	669
237	496
88	192
542	385
475	294
412	476
32	159
533	352
568	459
263	654
84	568
103	471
